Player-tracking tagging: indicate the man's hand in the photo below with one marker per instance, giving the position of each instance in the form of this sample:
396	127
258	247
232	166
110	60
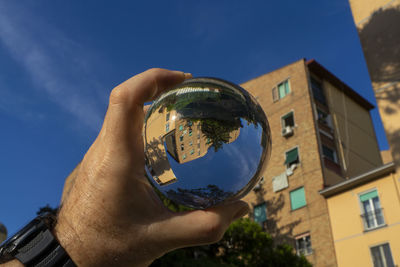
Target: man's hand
111	215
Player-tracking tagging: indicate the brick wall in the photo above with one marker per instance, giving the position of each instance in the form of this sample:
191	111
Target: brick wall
283	223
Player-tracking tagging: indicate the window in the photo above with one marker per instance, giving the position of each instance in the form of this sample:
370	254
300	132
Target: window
303	244
292	157
382	256
192	152
260	213
181	138
208	141
190	123
329	153
190	143
167	127
180	127
198	145
287	120
281	90
184	156
371	208
324	118
190	132
297	198
167	117
182	147
318	91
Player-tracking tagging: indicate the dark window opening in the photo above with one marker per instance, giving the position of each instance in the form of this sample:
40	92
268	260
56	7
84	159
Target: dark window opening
318	91
329	153
288	120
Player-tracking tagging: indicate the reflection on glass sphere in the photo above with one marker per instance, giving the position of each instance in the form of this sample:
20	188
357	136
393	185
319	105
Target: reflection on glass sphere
206	142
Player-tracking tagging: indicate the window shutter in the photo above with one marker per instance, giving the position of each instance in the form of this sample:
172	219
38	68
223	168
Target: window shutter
275	96
297	198
260	214
369	195
291	156
282	90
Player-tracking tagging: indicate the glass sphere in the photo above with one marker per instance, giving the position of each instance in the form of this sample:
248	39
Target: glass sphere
206	143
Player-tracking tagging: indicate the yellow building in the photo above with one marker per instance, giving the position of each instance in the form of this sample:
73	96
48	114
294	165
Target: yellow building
159	125
377	23
365	218
365	209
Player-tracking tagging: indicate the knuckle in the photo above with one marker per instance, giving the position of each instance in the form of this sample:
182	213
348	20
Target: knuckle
118	95
154	71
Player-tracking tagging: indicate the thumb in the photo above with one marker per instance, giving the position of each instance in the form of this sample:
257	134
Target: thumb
202	226
128	98
124	119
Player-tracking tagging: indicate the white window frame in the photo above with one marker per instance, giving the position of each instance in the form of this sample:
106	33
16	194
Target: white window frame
363	211
302	236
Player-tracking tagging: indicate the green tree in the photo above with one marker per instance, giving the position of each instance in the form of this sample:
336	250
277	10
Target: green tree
47	209
244	244
218	131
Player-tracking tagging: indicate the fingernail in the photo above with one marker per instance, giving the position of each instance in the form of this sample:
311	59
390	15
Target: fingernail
188	75
242	212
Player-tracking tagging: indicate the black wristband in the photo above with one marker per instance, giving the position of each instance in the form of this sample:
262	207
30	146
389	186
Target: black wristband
35	245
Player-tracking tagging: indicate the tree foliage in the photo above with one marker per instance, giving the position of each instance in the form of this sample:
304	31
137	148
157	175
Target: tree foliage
244	244
46	209
218	131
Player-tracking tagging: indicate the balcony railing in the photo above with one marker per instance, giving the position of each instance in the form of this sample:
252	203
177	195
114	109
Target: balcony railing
373	219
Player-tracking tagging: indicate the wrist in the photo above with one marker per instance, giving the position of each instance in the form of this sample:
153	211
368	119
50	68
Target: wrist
87	246
72	243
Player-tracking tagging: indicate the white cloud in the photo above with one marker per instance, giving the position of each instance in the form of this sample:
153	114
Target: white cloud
55	63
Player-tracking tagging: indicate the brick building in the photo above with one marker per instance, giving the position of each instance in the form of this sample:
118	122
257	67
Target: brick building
322	134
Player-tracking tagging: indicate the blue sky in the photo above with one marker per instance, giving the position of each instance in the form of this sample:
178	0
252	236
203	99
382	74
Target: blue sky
59	61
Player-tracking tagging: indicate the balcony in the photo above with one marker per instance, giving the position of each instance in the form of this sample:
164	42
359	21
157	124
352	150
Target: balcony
333	166
373	219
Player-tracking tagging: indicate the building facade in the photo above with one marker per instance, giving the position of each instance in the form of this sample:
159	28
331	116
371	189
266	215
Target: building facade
365	218
377	23
322	134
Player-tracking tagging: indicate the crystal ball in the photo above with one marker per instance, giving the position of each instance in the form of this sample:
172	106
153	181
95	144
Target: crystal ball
207	142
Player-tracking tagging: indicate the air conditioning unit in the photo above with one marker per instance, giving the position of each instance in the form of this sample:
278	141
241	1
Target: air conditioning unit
287	131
